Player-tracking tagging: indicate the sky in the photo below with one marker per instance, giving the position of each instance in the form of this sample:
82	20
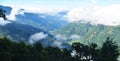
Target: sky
57	3
106	12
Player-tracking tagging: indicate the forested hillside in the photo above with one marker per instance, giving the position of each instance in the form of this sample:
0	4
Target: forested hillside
90	33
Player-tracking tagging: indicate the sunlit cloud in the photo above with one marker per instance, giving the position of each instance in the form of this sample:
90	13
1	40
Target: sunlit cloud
107	15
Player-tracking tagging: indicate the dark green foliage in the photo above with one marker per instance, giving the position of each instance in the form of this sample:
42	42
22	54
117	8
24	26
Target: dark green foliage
85	52
5	48
94	51
52	54
109	51
37	46
2	14
20	51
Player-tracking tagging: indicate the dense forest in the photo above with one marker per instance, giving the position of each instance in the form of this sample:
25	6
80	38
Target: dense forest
21	51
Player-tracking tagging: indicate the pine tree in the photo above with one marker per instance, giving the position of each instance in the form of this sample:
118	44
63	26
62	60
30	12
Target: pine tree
109	51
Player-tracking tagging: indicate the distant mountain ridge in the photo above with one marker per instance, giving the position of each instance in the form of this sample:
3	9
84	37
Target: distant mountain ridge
42	21
58	26
90	33
19	31
38	20
30	24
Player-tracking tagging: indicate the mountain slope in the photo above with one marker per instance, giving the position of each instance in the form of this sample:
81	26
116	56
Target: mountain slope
32	27
41	21
19	32
90	33
99	35
44	21
74	28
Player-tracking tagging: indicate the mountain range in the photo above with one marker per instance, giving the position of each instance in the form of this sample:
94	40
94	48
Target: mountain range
33	27
42	21
47	22
89	33
55	29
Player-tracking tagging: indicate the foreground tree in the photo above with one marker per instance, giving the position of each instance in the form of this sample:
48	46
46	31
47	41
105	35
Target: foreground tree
2	14
20	51
109	51
94	51
5	48
86	52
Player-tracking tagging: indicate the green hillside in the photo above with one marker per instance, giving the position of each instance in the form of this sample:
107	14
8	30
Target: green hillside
74	28
90	33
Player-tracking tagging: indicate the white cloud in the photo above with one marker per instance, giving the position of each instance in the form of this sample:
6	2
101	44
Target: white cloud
3	22
37	36
60	37
75	37
45	10
74	53
58	44
19	10
107	15
13	13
